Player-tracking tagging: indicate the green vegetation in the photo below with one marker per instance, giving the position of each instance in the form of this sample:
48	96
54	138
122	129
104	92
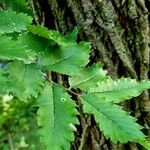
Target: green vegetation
28	55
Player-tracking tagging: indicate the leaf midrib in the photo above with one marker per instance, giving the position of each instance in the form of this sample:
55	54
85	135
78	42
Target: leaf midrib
99	111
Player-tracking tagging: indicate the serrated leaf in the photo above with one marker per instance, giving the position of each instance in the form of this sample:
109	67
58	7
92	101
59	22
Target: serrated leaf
115	123
51	35
11	21
65	57
119	90
10	50
69	60
24	80
56	116
88	77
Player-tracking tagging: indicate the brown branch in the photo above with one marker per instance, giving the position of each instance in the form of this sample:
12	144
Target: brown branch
67	89
83	137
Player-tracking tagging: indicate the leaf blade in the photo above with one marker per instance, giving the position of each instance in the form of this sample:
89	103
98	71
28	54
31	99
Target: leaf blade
11	50
24	80
49	34
55	123
63	56
17	5
119	90
69	60
115	123
88	77
34	42
13	22
3	83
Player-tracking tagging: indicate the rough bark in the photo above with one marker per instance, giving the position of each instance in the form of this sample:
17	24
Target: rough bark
119	33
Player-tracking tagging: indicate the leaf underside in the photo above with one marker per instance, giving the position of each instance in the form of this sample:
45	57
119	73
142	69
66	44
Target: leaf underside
50	34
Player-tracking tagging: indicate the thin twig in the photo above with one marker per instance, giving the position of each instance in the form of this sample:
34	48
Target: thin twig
67	89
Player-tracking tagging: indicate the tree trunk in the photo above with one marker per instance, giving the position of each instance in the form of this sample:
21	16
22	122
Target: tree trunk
118	31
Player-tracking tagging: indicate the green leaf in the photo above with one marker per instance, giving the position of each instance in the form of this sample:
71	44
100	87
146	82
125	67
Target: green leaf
51	35
115	123
3	83
65	57
10	50
72	36
69	60
34	42
56	116
88	77
145	144
11	21
118	90
24	80
16	5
